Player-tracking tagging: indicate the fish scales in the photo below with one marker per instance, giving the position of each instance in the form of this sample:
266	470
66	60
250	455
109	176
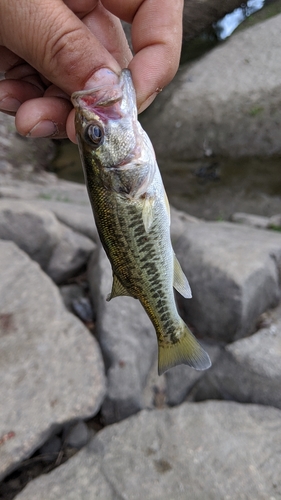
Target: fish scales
138	258
132	215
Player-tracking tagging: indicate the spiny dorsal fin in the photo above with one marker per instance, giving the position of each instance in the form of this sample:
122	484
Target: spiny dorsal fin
117	289
180	280
147	212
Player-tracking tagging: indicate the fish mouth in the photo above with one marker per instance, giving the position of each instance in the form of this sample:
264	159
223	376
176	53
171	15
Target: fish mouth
104	102
107	101
103	79
103	95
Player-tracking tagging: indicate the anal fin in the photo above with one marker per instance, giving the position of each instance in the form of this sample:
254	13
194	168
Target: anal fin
117	290
180	280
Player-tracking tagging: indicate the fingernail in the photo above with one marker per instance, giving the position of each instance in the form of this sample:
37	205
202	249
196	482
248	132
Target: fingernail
10	104
45	128
147	102
103	76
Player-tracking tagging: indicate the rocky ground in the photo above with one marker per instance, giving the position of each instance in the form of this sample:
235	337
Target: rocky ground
224	104
83	411
72	363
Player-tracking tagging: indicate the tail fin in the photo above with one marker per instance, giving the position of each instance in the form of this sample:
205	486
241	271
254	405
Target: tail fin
186	350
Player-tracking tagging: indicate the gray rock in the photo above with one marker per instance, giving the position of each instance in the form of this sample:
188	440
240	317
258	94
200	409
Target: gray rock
34	230
248	370
226	103
128	342
78	435
51	368
251	220
233	272
214	450
78	217
70	255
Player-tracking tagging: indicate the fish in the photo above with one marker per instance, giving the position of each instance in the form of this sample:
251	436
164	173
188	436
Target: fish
132	214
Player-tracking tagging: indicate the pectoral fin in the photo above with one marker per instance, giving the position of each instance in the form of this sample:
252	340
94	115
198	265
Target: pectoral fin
117	290
180	280
147	212
167	207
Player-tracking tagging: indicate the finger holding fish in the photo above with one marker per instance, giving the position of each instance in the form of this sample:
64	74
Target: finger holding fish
65	43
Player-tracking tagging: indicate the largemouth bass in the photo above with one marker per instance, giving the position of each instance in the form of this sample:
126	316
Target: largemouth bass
131	211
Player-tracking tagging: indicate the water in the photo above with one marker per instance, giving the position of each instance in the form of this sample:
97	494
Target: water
225	27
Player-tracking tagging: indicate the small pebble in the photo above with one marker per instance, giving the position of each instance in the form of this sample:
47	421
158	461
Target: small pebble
78	435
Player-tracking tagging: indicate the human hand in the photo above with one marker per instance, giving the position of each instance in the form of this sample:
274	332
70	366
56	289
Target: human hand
51	48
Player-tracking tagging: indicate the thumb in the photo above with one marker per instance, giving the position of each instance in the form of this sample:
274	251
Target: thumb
52	39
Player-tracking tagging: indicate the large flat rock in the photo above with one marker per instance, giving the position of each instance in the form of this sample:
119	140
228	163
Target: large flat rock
233	272
226	103
51	368
211	450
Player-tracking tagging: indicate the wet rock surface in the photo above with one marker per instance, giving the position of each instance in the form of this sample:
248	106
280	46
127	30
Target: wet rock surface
215	450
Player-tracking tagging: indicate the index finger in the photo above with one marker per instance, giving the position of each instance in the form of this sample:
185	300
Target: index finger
156	39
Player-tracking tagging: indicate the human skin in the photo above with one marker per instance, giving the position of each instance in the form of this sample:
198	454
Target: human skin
51	48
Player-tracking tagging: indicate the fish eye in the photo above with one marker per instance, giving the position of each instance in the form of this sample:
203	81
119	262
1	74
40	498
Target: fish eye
94	134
